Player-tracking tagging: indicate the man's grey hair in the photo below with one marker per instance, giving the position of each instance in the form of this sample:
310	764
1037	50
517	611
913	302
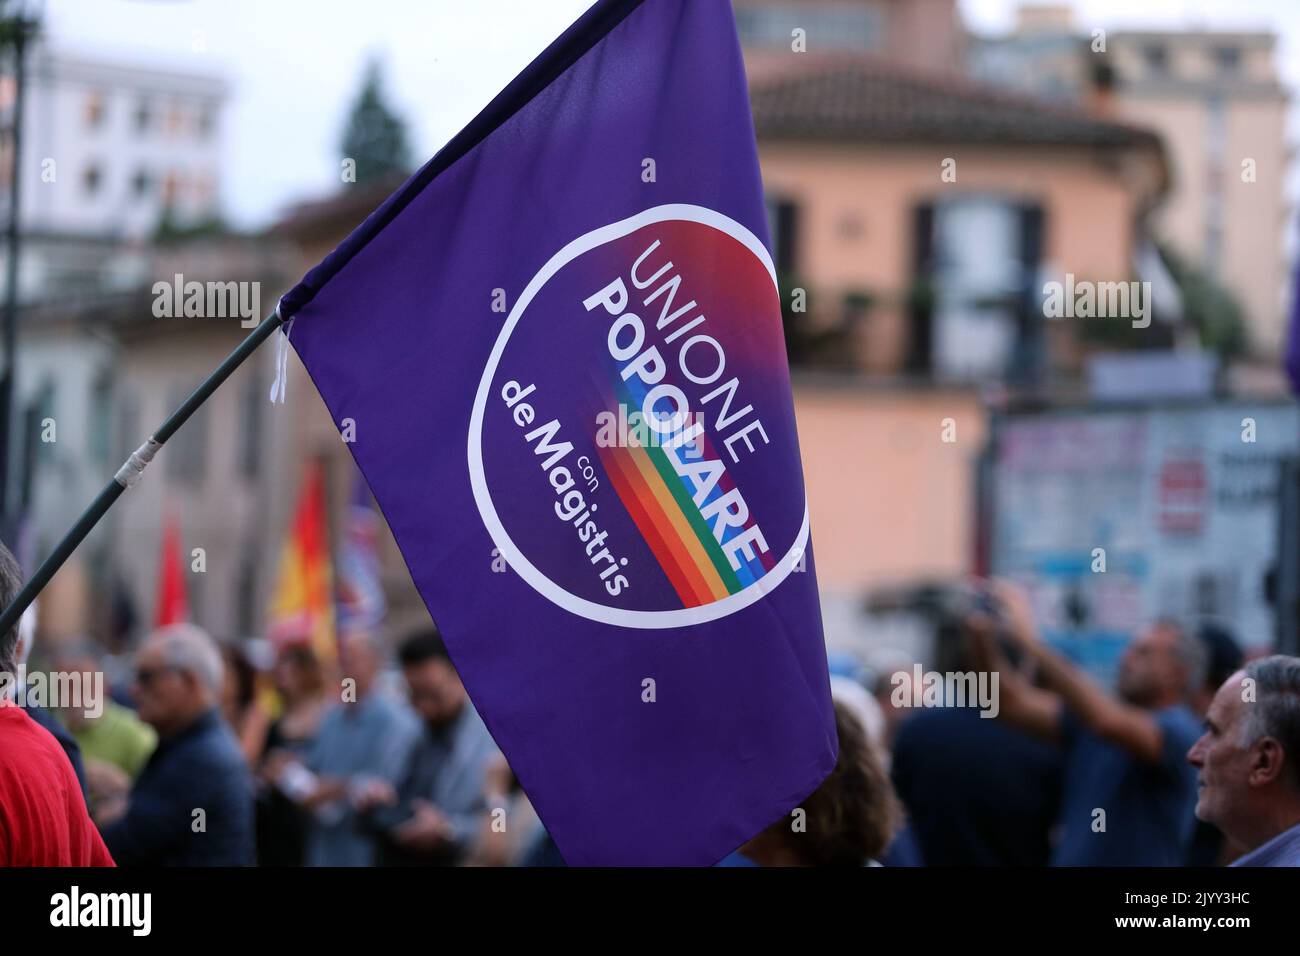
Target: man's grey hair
11	582
1275	712
188	649
366	637
1190	651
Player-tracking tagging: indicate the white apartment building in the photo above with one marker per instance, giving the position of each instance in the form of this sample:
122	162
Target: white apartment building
108	149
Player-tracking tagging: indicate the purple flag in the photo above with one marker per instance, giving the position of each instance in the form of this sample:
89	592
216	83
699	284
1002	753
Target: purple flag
560	348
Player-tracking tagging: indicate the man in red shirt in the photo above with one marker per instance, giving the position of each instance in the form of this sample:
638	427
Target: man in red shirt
43	818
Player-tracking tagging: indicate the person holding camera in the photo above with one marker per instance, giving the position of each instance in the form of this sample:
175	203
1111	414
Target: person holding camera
1128	791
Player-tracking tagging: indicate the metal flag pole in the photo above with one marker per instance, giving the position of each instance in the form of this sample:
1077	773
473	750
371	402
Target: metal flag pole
131	470
23	29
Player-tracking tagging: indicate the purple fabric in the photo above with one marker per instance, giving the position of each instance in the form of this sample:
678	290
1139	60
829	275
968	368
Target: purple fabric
398	331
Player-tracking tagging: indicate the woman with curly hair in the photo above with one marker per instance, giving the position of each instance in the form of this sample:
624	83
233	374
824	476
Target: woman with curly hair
848	821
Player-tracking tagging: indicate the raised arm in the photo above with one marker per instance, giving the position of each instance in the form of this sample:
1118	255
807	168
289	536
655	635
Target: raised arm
1019	702
1125	725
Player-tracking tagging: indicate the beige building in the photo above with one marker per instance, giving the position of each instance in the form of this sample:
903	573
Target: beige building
222	478
890	480
919	211
923	34
1216	101
231	477
923	214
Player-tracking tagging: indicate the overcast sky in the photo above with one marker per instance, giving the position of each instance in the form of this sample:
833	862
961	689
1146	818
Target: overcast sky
293	65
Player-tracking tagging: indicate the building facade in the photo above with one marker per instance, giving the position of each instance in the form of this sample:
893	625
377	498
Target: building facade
110	153
924	34
1216	100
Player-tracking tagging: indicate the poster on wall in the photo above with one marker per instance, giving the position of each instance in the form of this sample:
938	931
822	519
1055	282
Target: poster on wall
1113	518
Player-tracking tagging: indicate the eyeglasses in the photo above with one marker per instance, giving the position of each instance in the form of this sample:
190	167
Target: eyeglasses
146	676
424	694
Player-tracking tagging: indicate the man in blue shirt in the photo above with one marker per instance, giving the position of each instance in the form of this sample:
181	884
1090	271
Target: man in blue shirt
978	792
1127	790
192	804
1248	762
364	738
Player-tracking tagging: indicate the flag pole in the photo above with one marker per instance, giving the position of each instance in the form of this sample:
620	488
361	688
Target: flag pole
131	470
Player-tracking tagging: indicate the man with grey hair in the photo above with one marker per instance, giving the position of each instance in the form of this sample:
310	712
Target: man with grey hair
1248	762
192	804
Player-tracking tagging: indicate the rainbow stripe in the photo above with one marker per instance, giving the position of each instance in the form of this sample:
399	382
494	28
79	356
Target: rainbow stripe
661	505
763	561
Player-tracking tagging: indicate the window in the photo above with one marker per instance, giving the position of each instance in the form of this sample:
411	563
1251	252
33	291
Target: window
207	120
978	258
827	27
1156	58
1227	59
250	432
99	417
143	115
91	179
95	109
782	226
187	450
40	428
202	188
141	183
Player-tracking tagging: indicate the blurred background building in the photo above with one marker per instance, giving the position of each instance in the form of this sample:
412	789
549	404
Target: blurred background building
924	183
923	34
1216	100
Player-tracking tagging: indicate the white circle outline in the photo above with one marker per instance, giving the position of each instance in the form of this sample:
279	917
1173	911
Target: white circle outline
602	613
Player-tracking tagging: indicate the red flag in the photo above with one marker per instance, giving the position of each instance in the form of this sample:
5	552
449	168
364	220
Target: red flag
172	606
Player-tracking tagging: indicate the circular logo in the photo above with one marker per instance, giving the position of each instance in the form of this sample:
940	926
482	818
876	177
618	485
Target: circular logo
632	447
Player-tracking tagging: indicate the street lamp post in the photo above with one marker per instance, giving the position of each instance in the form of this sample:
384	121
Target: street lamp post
18	23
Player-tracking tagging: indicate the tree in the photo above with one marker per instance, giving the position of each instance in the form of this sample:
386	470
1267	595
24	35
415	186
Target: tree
1210	307
16	18
374	138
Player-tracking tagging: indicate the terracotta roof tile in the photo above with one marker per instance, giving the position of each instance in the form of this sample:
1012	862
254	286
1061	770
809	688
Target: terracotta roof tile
857	99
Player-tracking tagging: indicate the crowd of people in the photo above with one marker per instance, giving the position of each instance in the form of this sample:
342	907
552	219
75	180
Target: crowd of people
201	759
1194	760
